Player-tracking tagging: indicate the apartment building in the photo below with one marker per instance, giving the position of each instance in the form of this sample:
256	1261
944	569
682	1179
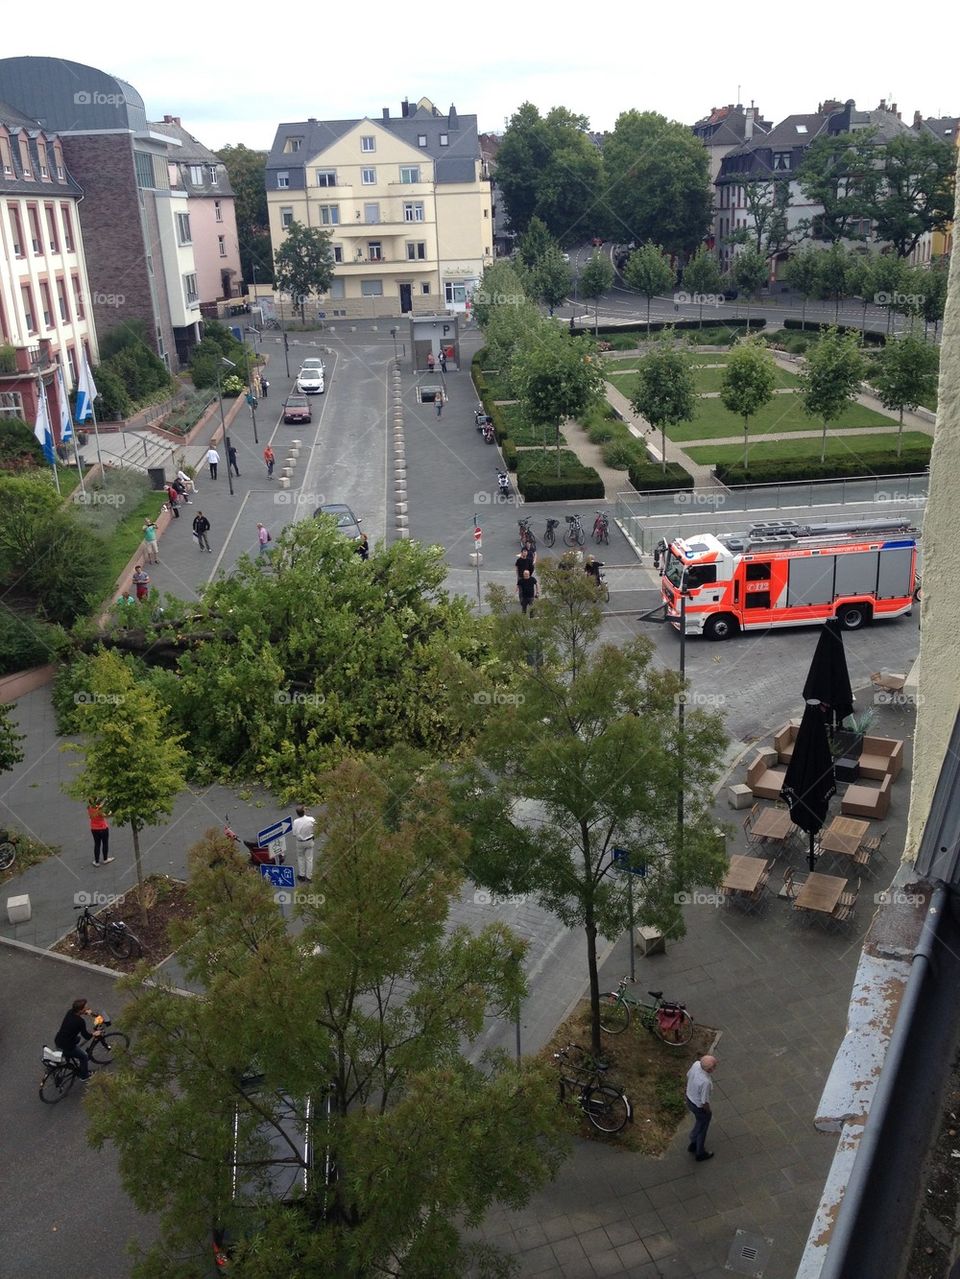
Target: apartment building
406	200
136	225
45	299
202	176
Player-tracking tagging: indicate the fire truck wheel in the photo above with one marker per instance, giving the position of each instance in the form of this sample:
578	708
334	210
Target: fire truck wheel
854	616
720	627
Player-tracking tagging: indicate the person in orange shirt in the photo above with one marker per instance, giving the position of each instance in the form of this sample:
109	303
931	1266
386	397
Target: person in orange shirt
100	831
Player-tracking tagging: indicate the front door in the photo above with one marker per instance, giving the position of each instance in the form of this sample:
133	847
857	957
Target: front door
406	303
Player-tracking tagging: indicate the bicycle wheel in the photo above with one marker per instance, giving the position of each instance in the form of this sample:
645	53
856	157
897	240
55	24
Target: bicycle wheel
605	535
677	1034
549	537
83	936
580	535
605	1107
614	1013
7	853
56	1083
120	942
111	1046
569	538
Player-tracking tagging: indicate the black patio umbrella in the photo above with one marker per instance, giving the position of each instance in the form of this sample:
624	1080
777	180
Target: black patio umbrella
809	783
828	680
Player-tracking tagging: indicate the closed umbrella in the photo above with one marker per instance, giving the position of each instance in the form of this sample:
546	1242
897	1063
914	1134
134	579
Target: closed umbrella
809	783
828	680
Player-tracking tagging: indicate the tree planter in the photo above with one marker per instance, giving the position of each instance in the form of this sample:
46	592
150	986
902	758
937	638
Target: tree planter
846	743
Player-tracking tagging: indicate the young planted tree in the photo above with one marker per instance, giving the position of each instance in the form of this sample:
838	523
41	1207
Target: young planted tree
303	264
751	271
132	759
550	278
534	243
832	378
591	752
833	276
648	270
556	377
595	279
802	273
665	390
10	739
701	277
887	283
356	1023
747	385
906	375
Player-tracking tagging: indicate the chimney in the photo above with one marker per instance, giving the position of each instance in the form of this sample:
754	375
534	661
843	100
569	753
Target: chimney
748	123
895	111
171	119
312	119
883	105
386	113
452	120
917	119
404	109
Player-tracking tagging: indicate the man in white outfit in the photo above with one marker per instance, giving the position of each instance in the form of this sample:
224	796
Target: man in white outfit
303	829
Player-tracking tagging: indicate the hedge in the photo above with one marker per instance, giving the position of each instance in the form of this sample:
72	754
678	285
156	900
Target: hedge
510	453
645	476
537	478
657	326
815	326
911	462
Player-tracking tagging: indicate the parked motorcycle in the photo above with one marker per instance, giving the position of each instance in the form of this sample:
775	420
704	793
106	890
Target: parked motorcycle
488	433
258	856
481	417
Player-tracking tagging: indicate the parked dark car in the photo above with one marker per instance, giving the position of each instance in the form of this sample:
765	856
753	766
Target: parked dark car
296	408
347	523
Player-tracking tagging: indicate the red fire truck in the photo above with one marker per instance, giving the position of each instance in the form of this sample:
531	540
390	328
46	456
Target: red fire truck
790	574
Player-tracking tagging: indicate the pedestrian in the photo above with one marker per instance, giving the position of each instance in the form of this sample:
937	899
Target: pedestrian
189	484
141	582
213	461
173	501
430	362
527	559
363	546
528	588
438	400
232	464
443	359
264	538
303	832
264	388
150	542
593	567
201	527
181	491
270	458
699	1089
660	555
100	830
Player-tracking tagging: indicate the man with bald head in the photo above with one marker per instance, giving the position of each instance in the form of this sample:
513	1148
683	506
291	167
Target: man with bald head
699	1089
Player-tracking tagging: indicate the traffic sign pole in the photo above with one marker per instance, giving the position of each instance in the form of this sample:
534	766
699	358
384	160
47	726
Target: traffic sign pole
478	548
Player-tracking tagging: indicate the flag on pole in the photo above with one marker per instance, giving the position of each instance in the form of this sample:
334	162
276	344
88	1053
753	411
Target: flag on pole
66	422
42	429
86	391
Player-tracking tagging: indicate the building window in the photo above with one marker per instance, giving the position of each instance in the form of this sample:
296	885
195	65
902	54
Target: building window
337	252
283	181
17	230
214	176
286	215
330	214
421	139
46	304
326	177
409	173
425	289
413	211
222	245
217	211
72	363
196	175
190	289
368	143
67	227
35	230
11	404
61	176
444	140
416	251
371	288
62	300
292	144
6	160
28	315
183	228
143	164
371	213
78	298
368	177
781	161
374	251
454	293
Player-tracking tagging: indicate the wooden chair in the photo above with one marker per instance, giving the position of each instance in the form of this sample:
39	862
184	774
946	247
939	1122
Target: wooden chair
758	898
844	910
784	740
870	802
790	886
869	851
764	781
748	821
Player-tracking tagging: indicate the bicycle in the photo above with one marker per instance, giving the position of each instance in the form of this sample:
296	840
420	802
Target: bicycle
8	851
61	1072
601	528
528	540
549	533
120	941
601	582
668	1020
574	535
608	1108
271	324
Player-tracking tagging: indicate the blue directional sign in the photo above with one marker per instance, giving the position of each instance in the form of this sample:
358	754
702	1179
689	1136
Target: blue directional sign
276	831
622	857
321	315
278	876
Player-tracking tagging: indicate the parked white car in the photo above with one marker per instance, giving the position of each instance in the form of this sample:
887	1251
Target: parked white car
310	381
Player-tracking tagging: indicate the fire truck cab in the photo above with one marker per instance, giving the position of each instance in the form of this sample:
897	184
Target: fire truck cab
790	574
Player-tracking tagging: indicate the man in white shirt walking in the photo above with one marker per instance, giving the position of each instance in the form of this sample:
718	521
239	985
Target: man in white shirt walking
699	1090
303	829
213	461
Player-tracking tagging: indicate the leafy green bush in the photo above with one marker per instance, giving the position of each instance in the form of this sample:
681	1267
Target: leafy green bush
232	386
19	448
602	433
651	475
112	398
622	453
621	339
912	461
25	642
510	453
538	481
869	337
217	343
127	354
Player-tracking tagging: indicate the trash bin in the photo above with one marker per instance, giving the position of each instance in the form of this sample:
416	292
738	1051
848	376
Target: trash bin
157	478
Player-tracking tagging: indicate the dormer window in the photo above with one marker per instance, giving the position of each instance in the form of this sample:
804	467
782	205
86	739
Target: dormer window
196	175
444	140
421	139
283	181
801	128
292	144
781	161
214	176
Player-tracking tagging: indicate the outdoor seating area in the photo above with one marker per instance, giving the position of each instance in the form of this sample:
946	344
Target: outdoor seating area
784	739
745	883
765	781
881	757
872	802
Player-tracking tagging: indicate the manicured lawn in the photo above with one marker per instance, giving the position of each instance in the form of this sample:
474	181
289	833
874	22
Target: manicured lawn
523	433
709	379
784	413
837	446
497	388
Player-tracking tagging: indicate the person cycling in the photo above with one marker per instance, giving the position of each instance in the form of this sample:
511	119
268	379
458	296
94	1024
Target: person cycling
593	567
72	1029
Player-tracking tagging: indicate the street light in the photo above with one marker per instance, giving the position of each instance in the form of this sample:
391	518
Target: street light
223	424
251	398
651	616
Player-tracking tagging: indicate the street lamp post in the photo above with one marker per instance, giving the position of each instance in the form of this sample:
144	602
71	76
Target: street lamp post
651	616
223	423
251	398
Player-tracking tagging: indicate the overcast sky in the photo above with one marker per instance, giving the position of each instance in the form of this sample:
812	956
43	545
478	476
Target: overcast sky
232	73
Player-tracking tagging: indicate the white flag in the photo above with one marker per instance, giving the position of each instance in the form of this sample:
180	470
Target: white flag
86	391
42	430
66	422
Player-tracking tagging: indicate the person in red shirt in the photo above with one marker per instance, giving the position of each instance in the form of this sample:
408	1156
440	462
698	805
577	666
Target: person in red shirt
100	831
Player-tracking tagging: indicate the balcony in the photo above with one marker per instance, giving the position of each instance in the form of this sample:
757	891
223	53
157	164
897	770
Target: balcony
25	361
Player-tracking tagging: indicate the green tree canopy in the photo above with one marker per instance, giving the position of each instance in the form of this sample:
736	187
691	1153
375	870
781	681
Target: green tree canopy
534	243
303	264
595	280
916	190
550	279
906	374
802	273
246	170
751	271
747	384
548	168
839	172
831	378
378	1000
648	270
701	278
10	739
556	378
665	392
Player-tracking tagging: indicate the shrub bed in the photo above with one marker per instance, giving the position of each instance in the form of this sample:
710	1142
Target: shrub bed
538	481
621	339
646	475
911	462
872	337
